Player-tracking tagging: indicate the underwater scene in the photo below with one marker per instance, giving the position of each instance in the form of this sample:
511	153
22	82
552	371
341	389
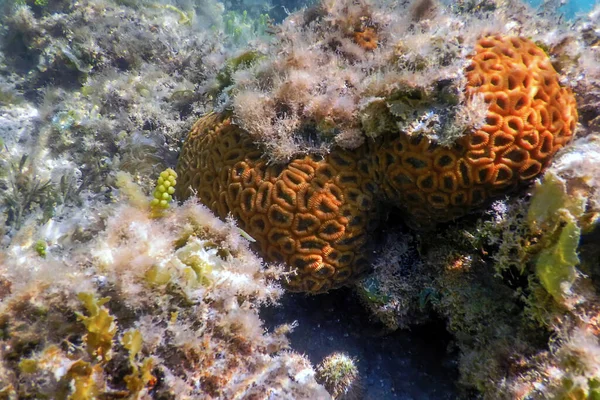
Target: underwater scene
299	199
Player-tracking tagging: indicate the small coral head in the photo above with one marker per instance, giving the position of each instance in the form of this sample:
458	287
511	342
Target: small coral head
338	372
366	38
530	116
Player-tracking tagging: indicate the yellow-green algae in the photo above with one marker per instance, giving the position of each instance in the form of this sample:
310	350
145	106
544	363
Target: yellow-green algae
555	214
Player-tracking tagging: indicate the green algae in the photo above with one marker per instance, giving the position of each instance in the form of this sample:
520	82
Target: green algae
556	214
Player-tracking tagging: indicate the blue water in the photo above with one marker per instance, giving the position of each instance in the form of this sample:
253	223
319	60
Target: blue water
570	8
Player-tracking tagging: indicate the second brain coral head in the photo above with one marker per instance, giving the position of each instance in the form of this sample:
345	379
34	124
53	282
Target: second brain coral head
529	118
316	213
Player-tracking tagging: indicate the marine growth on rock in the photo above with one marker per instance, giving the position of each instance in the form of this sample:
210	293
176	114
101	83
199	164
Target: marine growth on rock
317	212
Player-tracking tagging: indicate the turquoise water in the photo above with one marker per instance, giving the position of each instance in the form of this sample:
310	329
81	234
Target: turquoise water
569	8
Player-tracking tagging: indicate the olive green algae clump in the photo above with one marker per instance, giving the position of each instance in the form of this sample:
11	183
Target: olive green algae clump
564	208
553	211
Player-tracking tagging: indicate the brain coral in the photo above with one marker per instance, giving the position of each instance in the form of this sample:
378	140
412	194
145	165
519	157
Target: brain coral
529	118
315	213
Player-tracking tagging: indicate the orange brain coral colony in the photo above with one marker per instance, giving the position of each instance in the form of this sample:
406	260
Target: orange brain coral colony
530	117
315	213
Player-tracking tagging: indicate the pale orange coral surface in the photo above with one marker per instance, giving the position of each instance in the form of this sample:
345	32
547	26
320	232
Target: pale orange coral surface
315	213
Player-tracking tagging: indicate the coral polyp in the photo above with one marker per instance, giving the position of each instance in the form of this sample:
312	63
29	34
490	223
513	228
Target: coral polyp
366	38
315	213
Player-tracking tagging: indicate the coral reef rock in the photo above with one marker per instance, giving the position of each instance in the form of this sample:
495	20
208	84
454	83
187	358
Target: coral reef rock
316	212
